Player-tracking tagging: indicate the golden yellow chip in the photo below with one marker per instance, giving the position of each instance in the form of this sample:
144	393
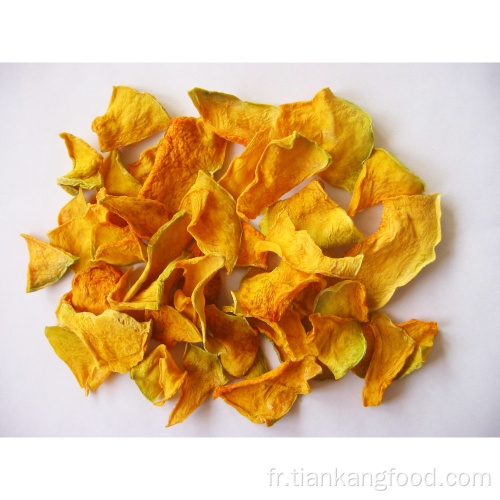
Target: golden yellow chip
87	163
131	117
214	223
268	398
74	208
141	168
402	245
248	254
188	146
116	178
232	118
47	264
88	371
204	375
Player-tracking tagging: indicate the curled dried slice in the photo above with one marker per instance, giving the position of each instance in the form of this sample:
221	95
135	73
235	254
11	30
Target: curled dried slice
313	211
214	223
188	146
131	117
346	299
116	178
87	163
269	397
241	342
337	342
248	254
232	118
382	176
141	168
114	338
47	264
74	208
204	375
284	164
338	126
402	245
392	347
88	371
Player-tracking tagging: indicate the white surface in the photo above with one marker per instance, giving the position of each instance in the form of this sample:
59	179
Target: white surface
442	121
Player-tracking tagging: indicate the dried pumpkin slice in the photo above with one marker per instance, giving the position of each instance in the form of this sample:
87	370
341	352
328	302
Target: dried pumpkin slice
382	176
131	117
269	397
402	245
248	254
47	264
116	178
232	118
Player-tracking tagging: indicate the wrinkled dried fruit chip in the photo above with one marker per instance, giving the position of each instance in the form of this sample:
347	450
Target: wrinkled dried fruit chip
205	373
402	245
116	178
188	147
268	398
232	118
382	177
87	163
131	117
47	264
89	372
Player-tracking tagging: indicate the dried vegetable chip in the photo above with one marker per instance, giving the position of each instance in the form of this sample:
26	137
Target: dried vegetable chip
232	118
87	163
248	254
116	178
204	375
188	146
268	398
74	208
337	342
141	168
284	164
383	176
131	117
338	126
47	264
214	223
88	371
402	245
299	250
346	299
313	211
392	347
240	340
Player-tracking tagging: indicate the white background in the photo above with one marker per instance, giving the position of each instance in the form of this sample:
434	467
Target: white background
441	120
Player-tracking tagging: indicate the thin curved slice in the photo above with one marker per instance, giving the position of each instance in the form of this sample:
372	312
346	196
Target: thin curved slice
232	118
87	163
284	164
47	264
116	179
382	176
338	126
268	398
402	245
205	373
131	117
248	254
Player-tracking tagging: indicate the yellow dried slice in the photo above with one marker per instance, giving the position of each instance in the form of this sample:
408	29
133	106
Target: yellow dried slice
337	342
423	333
74	208
87	163
392	346
131	117
114	338
168	278
268	295
284	164
214	223
240	340
145	299
402	245
141	168
338	126
299	250
204	375
116	178
88	371
382	176
188	146
313	211
346	299
232	118
268	398
248	254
